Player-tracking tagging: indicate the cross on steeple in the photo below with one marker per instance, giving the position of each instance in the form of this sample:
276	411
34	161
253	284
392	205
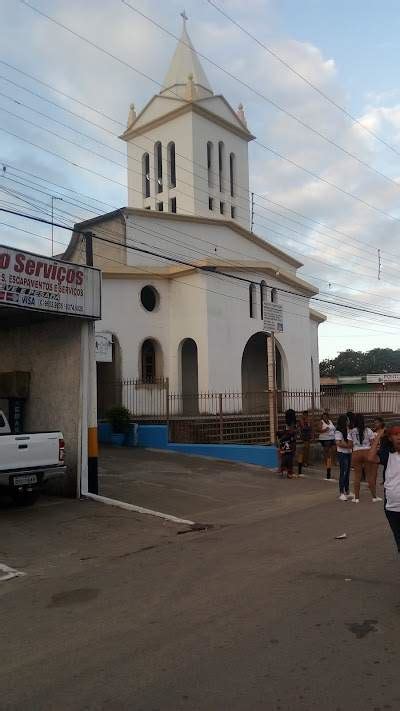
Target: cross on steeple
184	17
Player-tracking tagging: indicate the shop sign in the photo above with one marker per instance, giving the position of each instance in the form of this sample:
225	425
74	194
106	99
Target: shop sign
30	281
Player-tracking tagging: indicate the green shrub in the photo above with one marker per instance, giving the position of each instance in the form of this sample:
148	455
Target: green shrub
119	418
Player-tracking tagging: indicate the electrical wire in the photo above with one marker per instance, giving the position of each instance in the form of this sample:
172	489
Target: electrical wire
146	76
301	76
201	268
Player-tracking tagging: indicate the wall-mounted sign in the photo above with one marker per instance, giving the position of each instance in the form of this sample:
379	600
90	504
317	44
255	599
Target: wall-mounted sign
384	378
104	347
374	378
391	378
273	317
30	281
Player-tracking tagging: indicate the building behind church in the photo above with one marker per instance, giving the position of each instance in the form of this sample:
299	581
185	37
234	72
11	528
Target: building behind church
172	310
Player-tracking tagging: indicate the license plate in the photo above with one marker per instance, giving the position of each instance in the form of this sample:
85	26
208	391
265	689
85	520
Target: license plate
25	480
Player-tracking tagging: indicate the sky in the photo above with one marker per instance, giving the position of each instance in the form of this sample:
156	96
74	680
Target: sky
325	207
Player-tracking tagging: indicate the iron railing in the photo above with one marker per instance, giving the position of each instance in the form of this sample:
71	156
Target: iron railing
152	400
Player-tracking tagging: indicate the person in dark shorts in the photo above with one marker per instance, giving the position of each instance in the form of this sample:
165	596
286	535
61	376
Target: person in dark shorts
287	444
327	439
305	431
384	446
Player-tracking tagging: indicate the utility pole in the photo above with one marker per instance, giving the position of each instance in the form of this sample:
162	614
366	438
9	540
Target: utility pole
93	447
252	212
89	247
271	369
53	197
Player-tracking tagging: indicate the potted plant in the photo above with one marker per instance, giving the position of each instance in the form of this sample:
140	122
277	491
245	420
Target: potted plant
119	419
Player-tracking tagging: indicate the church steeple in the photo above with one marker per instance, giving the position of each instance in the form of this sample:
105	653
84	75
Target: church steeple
188	148
185	63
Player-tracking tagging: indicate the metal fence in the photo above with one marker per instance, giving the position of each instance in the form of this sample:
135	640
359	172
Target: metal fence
153	399
234	416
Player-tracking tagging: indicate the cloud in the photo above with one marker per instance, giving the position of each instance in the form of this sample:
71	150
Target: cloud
341	253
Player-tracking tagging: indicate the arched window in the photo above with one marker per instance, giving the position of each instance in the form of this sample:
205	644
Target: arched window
148	361
252	300
232	169
274	296
146	175
171	165
221	161
158	171
210	161
263	297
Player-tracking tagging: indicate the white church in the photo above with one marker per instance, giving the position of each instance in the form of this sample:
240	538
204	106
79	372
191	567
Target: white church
181	315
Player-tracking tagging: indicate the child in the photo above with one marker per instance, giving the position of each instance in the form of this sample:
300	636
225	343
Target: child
305	428
287	444
392	481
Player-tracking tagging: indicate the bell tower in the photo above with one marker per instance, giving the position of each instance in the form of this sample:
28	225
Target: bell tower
187	148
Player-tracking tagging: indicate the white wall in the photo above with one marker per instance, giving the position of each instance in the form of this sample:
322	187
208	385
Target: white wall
178	130
193	241
315	352
230	327
190	133
206	130
124	315
214	312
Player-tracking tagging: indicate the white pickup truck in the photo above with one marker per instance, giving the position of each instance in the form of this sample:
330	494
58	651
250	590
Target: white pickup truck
28	461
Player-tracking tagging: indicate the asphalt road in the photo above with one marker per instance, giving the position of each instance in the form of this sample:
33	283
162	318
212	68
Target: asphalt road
271	612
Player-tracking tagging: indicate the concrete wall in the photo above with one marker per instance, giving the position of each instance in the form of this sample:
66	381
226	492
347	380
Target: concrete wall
190	133
214	312
194	240
205	130
179	130
315	353
51	351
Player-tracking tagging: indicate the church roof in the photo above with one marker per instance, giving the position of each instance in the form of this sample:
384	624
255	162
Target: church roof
185	63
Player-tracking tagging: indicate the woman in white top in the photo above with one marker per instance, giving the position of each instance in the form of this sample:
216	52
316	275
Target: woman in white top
363	438
392	480
327	438
343	447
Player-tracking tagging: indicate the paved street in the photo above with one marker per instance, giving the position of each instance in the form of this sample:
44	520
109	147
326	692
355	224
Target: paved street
264	611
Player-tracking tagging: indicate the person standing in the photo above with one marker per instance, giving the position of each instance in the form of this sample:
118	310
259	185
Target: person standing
287	444
385	444
305	429
392	480
362	438
344	447
327	438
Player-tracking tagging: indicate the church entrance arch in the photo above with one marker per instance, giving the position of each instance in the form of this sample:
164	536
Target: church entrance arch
109	385
189	376
255	373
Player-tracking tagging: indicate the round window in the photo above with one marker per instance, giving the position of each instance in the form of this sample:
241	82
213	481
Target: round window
149	298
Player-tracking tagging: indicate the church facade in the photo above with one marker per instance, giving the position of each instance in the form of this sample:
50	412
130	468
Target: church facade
185	281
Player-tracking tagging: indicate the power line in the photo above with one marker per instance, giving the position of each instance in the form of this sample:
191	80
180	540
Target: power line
262	96
185	245
146	76
245	190
184	234
202	268
62	93
174	256
112	161
303	78
181	282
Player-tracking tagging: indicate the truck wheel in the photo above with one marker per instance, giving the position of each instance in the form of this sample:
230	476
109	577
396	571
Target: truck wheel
24	498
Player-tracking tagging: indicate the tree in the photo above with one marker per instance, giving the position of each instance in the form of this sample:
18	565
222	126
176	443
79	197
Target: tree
349	362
